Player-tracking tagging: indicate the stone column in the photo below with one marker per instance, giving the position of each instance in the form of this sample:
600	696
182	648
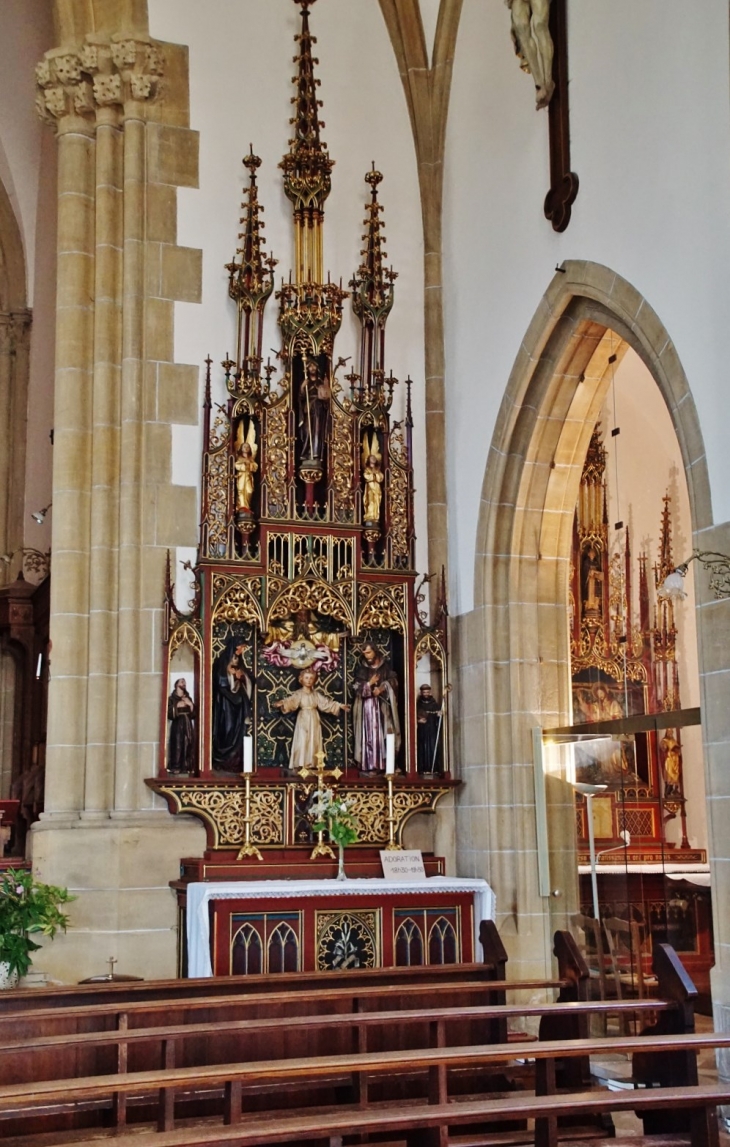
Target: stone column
104	508
103	833
66	101
713	639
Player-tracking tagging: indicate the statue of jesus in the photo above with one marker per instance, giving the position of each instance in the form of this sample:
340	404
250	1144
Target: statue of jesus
307	739
533	44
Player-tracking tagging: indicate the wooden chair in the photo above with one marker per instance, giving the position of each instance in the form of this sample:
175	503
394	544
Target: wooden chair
590	939
626	951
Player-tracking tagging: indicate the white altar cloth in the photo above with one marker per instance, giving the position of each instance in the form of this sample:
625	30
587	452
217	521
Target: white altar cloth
201	892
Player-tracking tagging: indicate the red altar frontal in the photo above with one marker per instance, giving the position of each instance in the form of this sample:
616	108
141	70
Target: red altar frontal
329	925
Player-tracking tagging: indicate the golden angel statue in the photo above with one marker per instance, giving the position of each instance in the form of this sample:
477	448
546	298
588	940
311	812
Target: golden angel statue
246	465
373	476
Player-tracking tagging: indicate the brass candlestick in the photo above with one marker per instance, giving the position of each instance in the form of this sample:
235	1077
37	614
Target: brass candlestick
392	845
247	848
320	848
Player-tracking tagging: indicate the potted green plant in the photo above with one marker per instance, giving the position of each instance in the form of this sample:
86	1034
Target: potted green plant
27	907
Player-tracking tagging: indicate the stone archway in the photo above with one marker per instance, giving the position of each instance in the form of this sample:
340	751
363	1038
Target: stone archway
15	321
513	650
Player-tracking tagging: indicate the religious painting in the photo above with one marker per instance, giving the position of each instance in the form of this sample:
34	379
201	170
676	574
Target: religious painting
608	761
597	697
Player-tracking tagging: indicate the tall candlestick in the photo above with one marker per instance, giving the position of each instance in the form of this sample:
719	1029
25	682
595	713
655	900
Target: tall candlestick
389	754
392	845
248	848
248	754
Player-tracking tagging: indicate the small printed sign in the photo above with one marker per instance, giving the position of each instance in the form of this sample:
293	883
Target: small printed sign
403	865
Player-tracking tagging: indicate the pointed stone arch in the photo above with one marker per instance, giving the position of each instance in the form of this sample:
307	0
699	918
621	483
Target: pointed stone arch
514	648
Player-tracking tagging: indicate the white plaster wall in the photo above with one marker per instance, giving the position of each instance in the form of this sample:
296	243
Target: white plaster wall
240	87
650	128
28	173
27	32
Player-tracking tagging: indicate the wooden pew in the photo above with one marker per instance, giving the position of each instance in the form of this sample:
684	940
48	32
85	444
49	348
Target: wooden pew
359	1024
148	991
209	1030
242	1083
44	1057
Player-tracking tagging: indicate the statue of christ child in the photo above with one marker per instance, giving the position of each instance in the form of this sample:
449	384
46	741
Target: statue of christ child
307	739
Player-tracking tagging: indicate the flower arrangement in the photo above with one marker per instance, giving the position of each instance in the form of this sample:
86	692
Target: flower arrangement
332	814
27	906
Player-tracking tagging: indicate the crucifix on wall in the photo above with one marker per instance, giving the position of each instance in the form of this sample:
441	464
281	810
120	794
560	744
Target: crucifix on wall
540	37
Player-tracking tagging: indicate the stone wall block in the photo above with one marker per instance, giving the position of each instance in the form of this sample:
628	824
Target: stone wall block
107	332
159	330
109	200
179	393
149	396
153	269
103	588
177	516
74	223
172	155
69	589
75	282
68	463
161	213
182	274
69	711
157	452
153	578
715	707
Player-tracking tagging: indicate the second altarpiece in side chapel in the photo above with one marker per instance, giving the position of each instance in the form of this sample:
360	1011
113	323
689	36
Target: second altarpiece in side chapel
307	640
625	665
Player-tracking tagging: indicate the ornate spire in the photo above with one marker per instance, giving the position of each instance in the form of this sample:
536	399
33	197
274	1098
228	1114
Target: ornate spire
592	506
666	562
251	279
307	165
372	288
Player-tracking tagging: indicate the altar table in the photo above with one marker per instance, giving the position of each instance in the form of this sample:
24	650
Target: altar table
305	925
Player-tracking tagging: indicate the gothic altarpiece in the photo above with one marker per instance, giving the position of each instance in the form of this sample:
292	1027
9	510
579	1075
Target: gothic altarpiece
624	669
307	632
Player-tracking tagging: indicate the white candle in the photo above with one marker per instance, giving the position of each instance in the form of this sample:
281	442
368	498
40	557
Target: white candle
248	754
389	754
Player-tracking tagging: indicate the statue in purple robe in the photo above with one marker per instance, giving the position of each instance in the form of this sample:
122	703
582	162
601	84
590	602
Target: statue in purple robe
375	709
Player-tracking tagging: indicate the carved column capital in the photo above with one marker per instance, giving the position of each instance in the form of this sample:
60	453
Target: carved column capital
102	74
64	89
140	65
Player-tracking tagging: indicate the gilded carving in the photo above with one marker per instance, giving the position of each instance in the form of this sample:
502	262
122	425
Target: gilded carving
398	502
277	462
427	644
238	601
311	594
342	464
370	809
218	504
222	810
186	634
381	607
